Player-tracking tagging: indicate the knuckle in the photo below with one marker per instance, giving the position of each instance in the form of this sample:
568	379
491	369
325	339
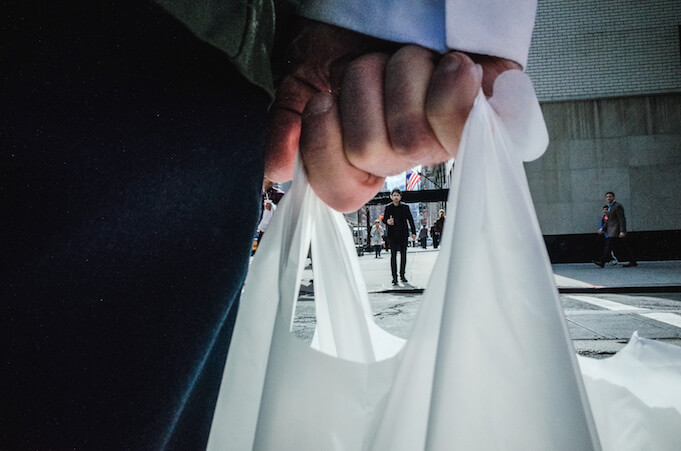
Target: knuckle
365	66
413	54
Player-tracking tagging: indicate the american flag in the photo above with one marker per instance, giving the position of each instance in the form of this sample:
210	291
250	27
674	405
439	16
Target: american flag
413	178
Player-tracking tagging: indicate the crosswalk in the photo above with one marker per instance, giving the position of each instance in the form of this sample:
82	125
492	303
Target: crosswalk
606	304
670	318
664	317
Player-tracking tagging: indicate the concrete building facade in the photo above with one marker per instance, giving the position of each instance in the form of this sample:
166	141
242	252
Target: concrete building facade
608	76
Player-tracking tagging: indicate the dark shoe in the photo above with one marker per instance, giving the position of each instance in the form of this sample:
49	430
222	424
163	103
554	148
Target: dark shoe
630	265
394	281
403	279
598	263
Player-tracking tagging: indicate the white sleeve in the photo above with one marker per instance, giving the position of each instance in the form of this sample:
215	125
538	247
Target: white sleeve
407	21
491	27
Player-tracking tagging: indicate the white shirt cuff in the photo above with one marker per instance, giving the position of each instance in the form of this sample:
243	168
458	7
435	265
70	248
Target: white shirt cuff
500	28
491	27
419	22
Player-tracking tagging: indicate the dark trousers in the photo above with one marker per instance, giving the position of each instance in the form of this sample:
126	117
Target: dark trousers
131	162
621	248
436	240
395	247
377	249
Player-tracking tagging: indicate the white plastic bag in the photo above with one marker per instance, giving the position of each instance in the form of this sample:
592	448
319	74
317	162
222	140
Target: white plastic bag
277	392
636	396
489	364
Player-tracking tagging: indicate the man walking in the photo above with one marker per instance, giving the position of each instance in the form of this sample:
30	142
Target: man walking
615	233
396	216
602	230
423	237
436	230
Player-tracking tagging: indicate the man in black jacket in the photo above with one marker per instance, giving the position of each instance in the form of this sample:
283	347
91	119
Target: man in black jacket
396	216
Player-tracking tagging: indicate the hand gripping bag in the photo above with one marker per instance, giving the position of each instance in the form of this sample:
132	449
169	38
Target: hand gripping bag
489	364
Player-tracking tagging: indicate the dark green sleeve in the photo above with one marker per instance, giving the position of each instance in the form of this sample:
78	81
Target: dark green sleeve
243	29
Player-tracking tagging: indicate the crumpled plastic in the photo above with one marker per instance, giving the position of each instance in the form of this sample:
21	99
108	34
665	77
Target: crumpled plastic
635	396
489	363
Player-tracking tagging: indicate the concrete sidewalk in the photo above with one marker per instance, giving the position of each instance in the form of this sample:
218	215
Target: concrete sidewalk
573	277
657	276
646	277
377	276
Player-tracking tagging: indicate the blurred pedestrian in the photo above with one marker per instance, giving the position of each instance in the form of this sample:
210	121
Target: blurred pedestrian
377	232
602	231
436	230
616	230
271	191
398	218
423	237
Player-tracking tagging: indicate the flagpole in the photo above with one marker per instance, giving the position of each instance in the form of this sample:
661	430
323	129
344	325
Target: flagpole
429	179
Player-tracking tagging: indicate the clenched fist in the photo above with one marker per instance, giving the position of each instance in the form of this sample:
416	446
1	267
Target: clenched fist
360	109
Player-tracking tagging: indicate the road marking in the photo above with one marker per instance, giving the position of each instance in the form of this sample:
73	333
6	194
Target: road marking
610	305
664	317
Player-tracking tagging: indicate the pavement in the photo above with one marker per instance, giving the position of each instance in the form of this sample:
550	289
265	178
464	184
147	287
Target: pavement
602	306
654	276
647	277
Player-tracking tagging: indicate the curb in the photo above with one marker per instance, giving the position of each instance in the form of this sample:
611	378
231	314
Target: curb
624	289
567	290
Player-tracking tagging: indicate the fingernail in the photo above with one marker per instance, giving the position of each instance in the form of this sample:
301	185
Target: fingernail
478	68
319	104
453	62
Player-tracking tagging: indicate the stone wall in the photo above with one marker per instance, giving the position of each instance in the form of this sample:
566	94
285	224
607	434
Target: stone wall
608	76
603	48
630	145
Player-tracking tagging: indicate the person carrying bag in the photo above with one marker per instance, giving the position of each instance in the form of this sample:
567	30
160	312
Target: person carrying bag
489	363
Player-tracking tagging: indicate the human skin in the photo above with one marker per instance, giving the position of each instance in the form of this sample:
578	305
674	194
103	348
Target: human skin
360	109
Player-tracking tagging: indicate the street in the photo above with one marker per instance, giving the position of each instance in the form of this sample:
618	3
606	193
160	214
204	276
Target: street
600	322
